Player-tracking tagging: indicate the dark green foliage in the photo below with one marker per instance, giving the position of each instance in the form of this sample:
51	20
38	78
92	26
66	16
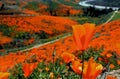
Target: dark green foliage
2	7
41	73
42	35
17	73
96	20
93	12
52	7
70	3
33	5
6	30
22	35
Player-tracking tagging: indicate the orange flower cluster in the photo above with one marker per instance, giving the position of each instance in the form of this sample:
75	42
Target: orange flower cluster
110	77
9	61
91	69
63	45
69	57
49	24
43	53
39	54
108	37
75	12
26	11
62	10
4	39
82	36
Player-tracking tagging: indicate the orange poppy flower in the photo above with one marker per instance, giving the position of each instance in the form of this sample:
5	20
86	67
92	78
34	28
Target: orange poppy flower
108	55
28	68
4	75
51	75
67	57
82	35
110	77
77	67
91	69
118	62
112	66
47	69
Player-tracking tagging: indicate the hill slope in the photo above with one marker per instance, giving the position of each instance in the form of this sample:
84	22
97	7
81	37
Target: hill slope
109	36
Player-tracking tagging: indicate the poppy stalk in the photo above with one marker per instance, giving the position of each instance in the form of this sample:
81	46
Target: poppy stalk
82	34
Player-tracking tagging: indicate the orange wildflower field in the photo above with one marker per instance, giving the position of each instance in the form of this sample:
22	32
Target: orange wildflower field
58	39
49	24
108	37
24	28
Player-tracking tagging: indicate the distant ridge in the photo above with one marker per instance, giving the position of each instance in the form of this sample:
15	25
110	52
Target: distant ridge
111	3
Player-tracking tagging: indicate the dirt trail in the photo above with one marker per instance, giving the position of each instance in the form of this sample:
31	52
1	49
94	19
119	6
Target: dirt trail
39	45
111	17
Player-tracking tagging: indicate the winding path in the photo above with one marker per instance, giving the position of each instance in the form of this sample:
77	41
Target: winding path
111	17
39	45
86	4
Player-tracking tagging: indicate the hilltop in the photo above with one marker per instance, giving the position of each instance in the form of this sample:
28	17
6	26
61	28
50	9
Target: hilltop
45	7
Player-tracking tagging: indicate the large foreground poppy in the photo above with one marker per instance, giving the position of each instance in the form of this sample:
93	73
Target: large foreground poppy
82	35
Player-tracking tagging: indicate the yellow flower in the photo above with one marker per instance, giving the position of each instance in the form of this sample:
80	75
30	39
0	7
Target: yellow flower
4	75
51	75
47	69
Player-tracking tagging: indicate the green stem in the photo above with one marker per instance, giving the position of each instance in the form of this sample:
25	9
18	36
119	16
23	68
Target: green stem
82	64
53	57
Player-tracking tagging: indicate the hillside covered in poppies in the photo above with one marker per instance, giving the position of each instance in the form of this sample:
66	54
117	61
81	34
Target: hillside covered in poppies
58	39
67	45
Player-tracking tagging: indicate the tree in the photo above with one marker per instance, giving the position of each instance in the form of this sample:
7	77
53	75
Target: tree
52	7
2	7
